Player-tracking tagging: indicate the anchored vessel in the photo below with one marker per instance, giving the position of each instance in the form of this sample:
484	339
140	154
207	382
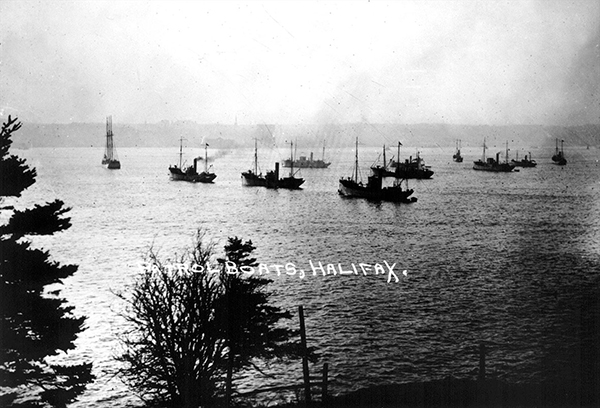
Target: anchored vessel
526	162
411	168
110	153
251	178
374	190
457	157
290	182
304	163
190	173
559	155
490	164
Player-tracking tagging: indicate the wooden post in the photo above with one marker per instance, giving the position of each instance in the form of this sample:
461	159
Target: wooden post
304	356
324	389
481	361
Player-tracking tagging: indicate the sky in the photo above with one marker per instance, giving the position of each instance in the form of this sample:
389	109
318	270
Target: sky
301	62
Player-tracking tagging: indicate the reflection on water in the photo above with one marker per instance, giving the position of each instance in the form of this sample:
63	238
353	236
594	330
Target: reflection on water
512	260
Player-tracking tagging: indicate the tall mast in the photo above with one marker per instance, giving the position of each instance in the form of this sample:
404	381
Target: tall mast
206	157
323	158
384	160
506	156
255	157
483	159
180	150
291	159
356	162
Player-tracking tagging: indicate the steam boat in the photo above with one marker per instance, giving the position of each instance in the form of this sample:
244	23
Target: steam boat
190	173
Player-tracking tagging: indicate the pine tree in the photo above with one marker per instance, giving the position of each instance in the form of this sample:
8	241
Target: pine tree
34	324
252	326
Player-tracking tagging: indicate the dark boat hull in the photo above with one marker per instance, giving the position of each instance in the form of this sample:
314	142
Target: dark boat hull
524	163
250	179
114	164
493	167
191	176
349	188
291	183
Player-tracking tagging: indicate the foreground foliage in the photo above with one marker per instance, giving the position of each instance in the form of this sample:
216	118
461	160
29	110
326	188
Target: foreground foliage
191	330
33	325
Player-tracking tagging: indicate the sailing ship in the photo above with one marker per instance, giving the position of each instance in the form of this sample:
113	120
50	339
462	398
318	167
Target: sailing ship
411	168
559	155
290	182
526	162
251	178
190	173
374	190
457	157
304	163
490	164
110	153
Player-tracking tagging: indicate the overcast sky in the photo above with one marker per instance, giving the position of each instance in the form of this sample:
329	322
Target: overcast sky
469	62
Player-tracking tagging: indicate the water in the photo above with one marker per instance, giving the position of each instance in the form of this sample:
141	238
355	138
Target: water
512	260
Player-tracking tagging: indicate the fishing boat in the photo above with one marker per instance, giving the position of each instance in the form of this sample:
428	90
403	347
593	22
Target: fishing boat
559	155
110	153
251	178
411	168
310	163
457	157
526	162
374	189
290	182
190	173
490	164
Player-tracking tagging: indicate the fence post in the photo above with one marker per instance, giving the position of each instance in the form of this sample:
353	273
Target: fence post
305	372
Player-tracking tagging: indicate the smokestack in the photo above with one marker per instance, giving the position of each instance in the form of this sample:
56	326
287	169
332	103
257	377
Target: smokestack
311	156
277	171
195	169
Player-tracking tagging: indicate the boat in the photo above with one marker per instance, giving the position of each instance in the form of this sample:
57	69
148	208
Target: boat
110	153
490	164
374	190
190	173
457	157
310	163
290	182
559	155
526	162
411	168
252	178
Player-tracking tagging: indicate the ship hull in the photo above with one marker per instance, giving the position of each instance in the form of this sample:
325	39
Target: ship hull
191	176
306	164
291	183
351	189
495	167
250	179
114	164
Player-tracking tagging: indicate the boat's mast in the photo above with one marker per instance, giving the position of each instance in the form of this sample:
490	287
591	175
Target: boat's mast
483	159
255	157
506	156
291	159
180	150
206	157
323	158
109	140
356	162
398	158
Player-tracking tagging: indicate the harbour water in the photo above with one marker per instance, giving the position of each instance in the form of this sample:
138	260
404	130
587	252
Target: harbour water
508	259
